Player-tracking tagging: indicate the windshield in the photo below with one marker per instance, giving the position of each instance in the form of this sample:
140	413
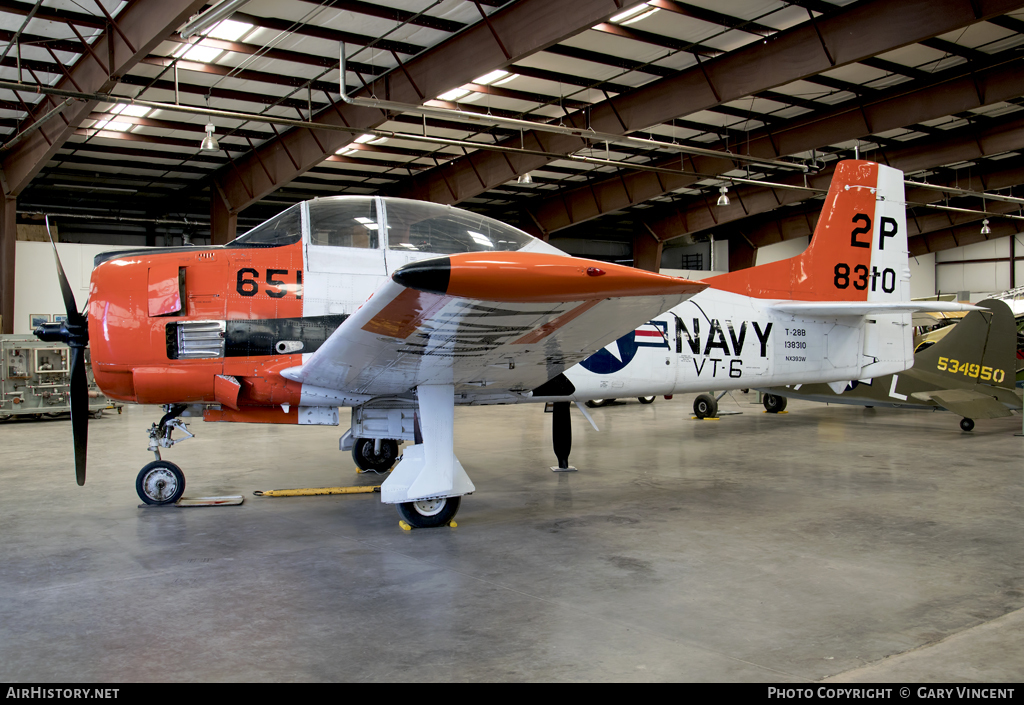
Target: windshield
419	226
283	229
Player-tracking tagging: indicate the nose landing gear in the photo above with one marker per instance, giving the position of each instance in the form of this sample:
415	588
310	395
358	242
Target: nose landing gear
162	482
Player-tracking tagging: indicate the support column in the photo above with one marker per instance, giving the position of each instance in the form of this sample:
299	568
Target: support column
223	222
647	251
742	255
8	238
1013	260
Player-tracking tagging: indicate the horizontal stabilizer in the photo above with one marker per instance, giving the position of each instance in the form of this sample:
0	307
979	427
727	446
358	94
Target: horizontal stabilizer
967	403
820	309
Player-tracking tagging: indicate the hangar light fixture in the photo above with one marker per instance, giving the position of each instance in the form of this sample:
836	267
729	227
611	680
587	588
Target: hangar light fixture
634	14
209	142
207	19
723	200
525	179
985	230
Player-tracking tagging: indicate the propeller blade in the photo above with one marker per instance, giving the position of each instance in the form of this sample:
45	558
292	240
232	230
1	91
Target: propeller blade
65	287
79	410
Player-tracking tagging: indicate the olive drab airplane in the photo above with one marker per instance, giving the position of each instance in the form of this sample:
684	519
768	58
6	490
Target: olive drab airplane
403	309
970	372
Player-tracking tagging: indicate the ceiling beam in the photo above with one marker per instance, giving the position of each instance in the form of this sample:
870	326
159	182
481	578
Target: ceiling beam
850	34
508	35
954	90
966	143
144	25
792	223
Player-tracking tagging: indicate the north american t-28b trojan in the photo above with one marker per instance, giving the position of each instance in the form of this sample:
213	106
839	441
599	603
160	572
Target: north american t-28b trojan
402	309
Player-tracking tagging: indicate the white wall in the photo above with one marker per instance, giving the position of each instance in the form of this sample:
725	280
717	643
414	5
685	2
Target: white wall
922	276
36	286
781	250
980	278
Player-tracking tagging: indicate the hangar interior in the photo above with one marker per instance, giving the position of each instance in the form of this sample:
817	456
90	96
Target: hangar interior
671	136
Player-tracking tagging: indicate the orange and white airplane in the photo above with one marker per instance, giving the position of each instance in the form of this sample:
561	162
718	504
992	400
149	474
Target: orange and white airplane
403	309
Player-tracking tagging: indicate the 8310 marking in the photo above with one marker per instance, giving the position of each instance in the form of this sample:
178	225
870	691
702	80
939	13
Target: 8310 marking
842	279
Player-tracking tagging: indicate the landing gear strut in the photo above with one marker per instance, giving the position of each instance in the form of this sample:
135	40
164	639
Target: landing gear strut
561	436
163	482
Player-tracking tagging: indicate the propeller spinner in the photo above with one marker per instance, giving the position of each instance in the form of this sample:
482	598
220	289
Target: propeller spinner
73	332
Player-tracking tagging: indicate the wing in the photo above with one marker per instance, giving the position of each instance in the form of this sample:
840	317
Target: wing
487	323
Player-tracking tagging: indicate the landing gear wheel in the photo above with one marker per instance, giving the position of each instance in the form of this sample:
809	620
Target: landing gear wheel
53	414
705	406
430	513
160	482
366	459
773	403
594	403
967	424
98	414
646	400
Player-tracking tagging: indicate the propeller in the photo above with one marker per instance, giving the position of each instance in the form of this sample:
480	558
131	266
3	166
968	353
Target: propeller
73	332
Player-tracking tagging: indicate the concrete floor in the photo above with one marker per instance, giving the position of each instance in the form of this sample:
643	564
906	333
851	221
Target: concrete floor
827	543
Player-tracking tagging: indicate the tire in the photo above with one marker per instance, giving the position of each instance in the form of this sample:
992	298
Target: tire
430	513
967	424
646	400
366	459
160	483
705	406
773	403
594	403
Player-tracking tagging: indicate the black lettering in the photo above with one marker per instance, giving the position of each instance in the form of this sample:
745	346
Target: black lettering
279	294
864	228
298	281
693	340
246	287
701	368
716	328
889	228
842	278
888	280
735	368
874	279
716	360
737	343
763	337
862	283
679	334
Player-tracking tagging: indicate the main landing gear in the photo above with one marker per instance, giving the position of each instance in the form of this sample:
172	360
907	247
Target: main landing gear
162	482
375	454
773	403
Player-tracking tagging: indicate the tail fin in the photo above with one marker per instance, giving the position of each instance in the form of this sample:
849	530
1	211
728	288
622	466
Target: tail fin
858	251
982	348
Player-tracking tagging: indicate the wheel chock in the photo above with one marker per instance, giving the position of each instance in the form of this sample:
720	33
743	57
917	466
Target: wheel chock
706	418
777	413
316	491
406	527
226	501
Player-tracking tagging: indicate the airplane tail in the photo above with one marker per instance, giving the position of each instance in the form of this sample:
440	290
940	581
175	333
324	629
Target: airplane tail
976	350
858	252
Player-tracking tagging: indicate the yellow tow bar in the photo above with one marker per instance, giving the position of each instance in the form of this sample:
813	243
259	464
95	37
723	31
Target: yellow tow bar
314	491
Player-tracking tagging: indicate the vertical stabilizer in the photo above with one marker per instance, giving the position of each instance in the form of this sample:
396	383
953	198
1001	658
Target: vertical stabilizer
858	251
981	349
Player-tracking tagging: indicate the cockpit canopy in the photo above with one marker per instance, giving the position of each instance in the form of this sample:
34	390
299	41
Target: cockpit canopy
370	222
